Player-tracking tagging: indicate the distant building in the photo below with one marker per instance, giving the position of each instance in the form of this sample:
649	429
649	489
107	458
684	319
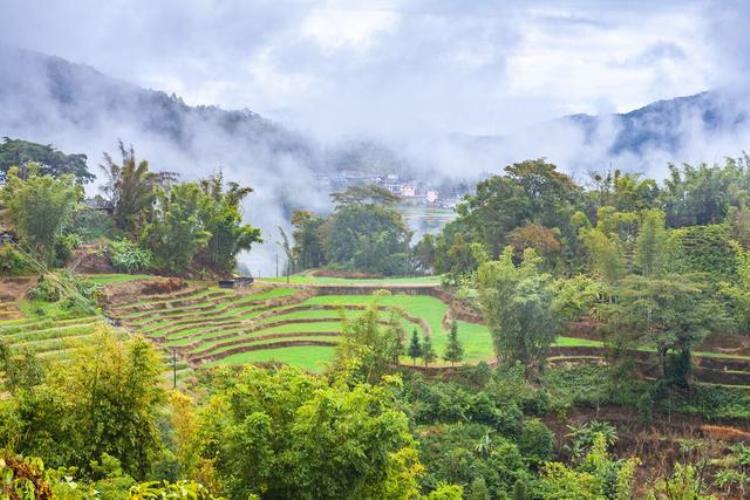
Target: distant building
408	191
431	196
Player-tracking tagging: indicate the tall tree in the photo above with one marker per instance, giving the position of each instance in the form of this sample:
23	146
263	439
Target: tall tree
38	206
310	440
671	312
221	216
369	347
308	248
650	247
454	351
415	347
177	232
366	234
520	308
428	351
131	188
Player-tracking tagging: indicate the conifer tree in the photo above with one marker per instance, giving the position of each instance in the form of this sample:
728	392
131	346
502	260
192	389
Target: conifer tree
428	352
415	347
454	351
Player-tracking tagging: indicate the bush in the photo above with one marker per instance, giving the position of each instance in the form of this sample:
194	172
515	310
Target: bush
45	290
128	257
536	442
64	246
13	262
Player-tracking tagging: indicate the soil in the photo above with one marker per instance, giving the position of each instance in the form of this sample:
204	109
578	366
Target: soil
12	290
333	273
131	291
657	442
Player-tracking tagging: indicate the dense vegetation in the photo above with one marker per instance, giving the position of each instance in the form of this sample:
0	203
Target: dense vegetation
145	220
403	402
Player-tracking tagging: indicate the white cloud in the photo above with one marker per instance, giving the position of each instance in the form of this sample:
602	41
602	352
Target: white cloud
336	29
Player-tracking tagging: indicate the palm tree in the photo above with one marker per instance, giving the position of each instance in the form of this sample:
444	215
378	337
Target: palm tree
130	189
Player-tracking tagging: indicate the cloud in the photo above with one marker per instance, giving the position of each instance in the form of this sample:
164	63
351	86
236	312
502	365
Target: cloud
432	79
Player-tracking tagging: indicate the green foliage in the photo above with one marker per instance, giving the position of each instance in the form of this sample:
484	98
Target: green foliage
530	192
672	313
650	247
20	153
38	206
536	442
368	349
104	402
424	254
468	454
370	238
13	262
428	351
685	483
519	306
176	232
597	476
703	249
289	435
131	189
454	351
308	251
415	346
64	246
128	257
221	216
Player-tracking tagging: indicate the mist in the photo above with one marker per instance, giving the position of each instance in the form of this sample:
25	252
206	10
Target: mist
451	90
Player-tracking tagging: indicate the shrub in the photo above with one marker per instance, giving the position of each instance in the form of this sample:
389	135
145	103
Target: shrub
128	257
13	262
64	246
536	442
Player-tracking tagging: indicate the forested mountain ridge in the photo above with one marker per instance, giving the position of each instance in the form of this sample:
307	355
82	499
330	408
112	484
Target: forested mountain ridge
44	97
49	91
662	124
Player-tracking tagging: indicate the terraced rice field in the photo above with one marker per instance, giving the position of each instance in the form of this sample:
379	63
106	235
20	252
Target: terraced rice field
210	326
49	338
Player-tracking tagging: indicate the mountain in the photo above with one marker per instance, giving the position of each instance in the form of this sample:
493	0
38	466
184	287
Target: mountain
666	125
52	93
80	110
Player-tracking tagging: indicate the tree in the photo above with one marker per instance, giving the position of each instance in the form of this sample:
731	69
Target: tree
308	251
177	233
131	189
105	403
606	256
369	348
424	254
220	213
415	347
38	206
454	351
532	191
672	312
428	351
367	237
50	161
650	247
520	308
309	439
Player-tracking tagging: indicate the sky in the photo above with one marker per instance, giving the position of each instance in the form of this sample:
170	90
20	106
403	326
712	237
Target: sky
425	78
396	67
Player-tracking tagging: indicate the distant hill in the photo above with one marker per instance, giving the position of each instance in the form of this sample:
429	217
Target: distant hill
45	93
667	124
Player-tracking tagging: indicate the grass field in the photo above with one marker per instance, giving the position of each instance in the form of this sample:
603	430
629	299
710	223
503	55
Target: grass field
211	327
308	279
